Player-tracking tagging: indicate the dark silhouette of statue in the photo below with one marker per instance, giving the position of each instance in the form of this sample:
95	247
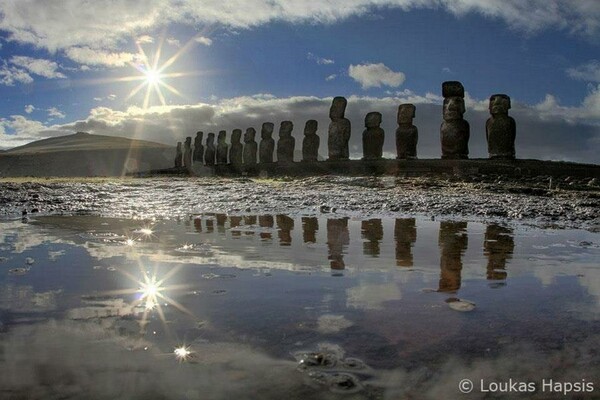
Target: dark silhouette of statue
178	156
372	231
498	247
339	130
235	221
286	143
453	242
267	143
310	226
187	153
405	235
285	224
250	147
311	141
210	152
373	137
236	148
455	131
199	148
265	221
338	237
500	129
407	135
222	148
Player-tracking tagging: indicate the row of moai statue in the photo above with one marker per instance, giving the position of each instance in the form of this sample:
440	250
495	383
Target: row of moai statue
454	136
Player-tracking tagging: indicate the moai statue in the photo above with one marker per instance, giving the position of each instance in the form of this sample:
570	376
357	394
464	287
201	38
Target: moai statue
454	131
178	156
311	141
187	153
221	148
286	143
500	129
267	143
236	148
407	135
210	153
199	148
250	147
373	137
339	130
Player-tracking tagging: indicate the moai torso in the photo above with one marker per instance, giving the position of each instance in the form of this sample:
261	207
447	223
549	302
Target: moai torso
311	141
267	143
211	151
286	143
199	148
500	129
187	153
407	135
455	131
250	147
236	148
339	130
178	156
222	148
373	137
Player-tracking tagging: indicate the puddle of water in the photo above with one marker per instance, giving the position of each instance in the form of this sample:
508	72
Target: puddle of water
312	307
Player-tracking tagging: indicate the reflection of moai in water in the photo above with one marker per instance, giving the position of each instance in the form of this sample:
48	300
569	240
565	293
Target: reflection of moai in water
187	153
310	226
236	148
222	148
178	156
286	143
455	131
221	219
405	235
250	147
199	148
311	141
407	135
373	137
338	237
234	222
339	130
453	242
372	231
498	246
265	221
285	225
267	143
500	129
211	152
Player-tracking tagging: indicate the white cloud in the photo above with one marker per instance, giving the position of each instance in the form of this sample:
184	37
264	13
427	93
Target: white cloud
174	42
38	66
203	40
320	60
375	75
144	39
331	77
89	56
29	108
110	97
9	75
589	71
55	113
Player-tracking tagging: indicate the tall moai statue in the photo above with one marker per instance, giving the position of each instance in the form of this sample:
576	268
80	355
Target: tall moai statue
199	148
187	153
222	148
211	151
267	143
455	131
311	141
500	129
407	135
250	147
286	143
178	156
236	148
339	130
373	137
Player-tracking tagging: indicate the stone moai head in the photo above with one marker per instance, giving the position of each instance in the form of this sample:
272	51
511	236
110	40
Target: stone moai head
311	127
453	89
338	108
286	128
249	135
236	136
221	137
454	103
188	141
210	138
499	104
373	119
406	113
199	135
266	131
178	146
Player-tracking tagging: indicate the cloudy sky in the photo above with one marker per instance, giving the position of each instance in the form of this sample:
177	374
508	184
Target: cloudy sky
163	69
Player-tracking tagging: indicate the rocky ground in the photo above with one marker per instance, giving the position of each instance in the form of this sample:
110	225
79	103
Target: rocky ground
541	200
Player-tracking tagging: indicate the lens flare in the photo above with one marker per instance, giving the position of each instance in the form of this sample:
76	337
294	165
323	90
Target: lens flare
182	353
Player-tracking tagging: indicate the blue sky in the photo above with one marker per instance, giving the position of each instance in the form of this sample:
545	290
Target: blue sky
70	65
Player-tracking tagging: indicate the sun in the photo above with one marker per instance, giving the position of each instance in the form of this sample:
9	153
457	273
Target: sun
153	77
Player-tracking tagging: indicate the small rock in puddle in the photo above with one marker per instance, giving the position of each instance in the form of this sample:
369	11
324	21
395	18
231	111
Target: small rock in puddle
461	305
343	382
29	261
18	271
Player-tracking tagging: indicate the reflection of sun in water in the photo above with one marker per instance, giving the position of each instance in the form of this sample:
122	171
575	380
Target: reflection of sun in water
182	353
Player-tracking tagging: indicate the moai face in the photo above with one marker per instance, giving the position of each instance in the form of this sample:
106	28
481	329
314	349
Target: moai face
250	135
454	108
210	138
188	141
373	119
199	135
179	146
286	128
267	130
338	108
310	127
221	137
499	104
236	135
406	113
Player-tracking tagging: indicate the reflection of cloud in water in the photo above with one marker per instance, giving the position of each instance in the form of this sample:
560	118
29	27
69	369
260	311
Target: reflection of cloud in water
20	298
372	297
330	323
587	276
